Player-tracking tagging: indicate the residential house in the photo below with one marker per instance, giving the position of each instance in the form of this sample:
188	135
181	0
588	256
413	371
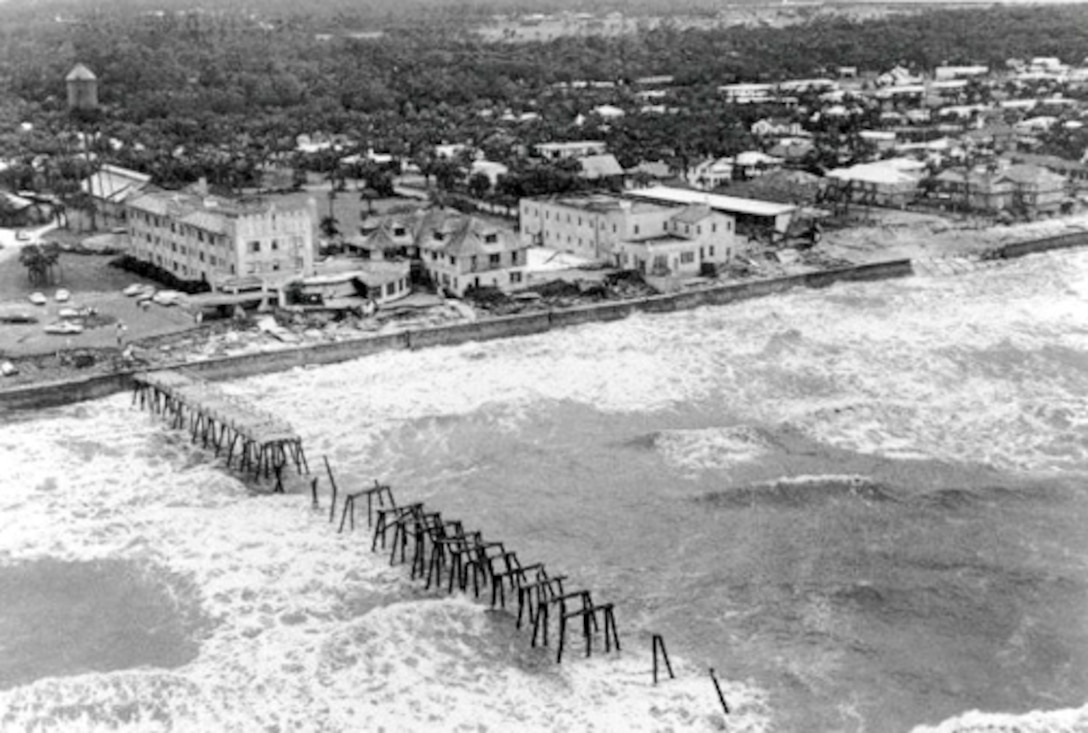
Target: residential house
945	73
107	189
469	252
748	93
744	166
600	168
1029	189
222	241
454	251
1075	171
710	174
893	183
774	127
608	111
995	136
574	149
692	236
898	76
489	168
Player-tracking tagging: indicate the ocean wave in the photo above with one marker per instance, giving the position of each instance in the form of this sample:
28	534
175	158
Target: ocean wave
800	491
712	449
1070	720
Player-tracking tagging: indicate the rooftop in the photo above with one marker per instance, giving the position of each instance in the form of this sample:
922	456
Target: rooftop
731	204
80	72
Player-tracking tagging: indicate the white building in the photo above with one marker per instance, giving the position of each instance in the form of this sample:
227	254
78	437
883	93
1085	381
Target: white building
223	242
747	93
944	73
693	236
575	149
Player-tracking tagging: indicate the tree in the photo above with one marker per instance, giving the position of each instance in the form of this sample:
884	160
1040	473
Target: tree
39	261
479	185
330	227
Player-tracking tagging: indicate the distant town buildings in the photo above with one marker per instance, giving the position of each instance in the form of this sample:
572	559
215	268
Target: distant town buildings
566	150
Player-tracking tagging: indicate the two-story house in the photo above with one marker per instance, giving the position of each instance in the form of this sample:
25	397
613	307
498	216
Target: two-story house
693	236
460	253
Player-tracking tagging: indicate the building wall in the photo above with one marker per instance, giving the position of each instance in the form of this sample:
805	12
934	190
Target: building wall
711	240
588	232
272	245
503	270
275	244
82	94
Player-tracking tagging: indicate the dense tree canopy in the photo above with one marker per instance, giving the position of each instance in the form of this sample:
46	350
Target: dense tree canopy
222	93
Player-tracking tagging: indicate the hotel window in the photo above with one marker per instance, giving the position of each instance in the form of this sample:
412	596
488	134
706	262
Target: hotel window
254	247
636	228
687	257
494	260
713	230
390	289
491	238
275	245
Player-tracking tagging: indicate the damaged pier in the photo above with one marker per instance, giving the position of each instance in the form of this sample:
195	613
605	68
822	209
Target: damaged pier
262	442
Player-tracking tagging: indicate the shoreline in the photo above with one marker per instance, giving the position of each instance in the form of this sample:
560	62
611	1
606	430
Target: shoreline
55	393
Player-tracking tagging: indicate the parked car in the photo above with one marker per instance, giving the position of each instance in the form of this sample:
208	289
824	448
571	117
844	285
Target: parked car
22	236
37	298
62	296
136	289
64	327
167	297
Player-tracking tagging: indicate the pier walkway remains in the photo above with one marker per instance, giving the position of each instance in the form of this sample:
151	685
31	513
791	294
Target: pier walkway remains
262	442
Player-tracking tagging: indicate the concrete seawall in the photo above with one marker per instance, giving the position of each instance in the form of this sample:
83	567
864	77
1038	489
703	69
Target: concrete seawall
231	367
1064	241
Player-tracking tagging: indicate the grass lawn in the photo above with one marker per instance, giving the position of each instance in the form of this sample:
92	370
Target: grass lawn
77	273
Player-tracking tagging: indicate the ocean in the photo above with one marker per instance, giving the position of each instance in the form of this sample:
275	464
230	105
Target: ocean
864	506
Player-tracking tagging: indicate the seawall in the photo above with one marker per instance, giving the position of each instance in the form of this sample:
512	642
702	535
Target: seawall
244	365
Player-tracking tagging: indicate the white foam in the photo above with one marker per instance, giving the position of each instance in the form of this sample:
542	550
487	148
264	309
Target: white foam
308	630
711	449
1071	720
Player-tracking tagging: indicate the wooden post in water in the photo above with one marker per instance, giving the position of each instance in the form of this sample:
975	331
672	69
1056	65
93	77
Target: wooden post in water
659	643
332	483
718	687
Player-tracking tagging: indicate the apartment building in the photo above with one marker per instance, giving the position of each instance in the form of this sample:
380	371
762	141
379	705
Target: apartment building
589	225
629	233
224	242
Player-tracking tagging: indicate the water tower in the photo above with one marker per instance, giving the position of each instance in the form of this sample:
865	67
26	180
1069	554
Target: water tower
82	88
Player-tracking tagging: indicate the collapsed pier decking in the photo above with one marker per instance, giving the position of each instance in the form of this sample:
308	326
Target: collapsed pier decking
262	442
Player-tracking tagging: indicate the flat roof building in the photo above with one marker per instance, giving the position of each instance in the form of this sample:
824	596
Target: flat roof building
763	214
222	241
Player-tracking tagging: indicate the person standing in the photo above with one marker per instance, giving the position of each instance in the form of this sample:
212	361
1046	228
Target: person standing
120	335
